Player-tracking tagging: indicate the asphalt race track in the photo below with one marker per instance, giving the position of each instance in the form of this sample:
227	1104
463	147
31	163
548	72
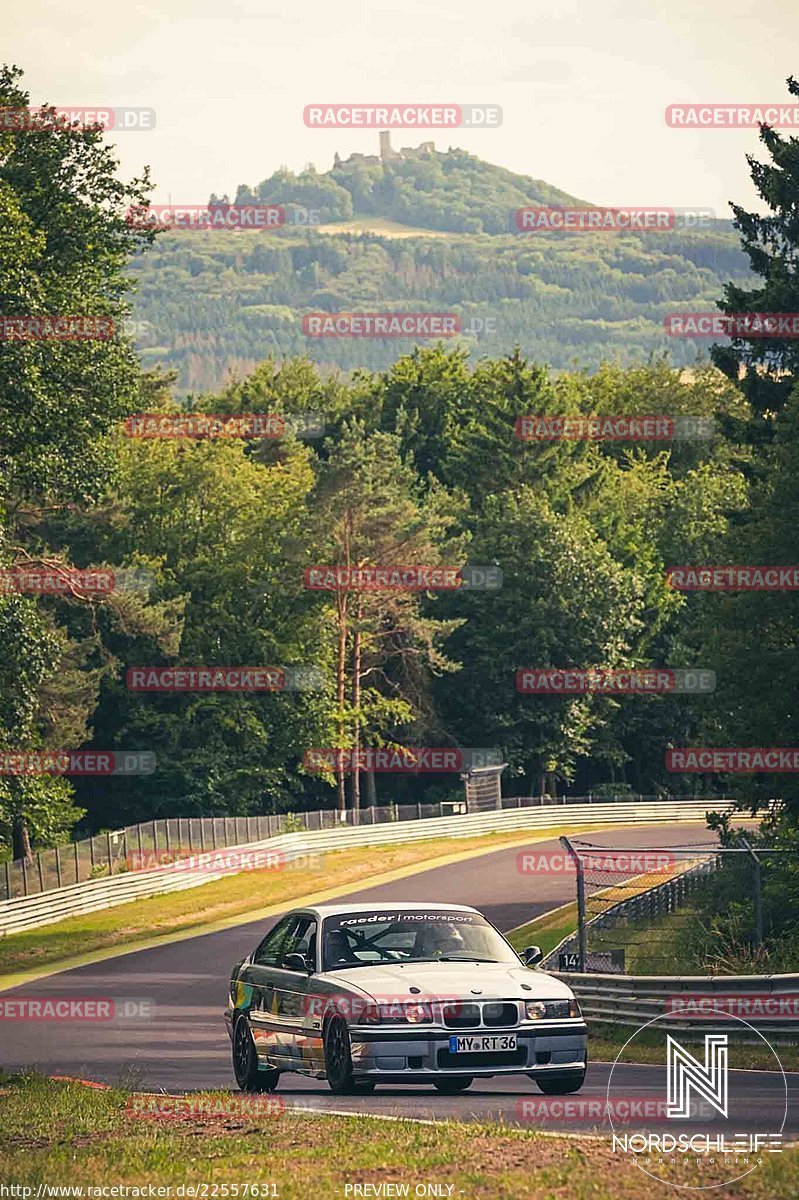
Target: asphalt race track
184	1046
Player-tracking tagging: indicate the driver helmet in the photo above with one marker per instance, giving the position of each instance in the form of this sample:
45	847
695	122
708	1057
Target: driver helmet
443	940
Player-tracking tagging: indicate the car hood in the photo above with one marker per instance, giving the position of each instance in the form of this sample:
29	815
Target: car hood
488	981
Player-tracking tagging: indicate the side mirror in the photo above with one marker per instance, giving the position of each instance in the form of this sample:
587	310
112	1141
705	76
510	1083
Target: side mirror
532	955
295	962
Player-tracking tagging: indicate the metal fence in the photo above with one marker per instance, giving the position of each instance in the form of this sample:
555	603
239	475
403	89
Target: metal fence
158	842
637	910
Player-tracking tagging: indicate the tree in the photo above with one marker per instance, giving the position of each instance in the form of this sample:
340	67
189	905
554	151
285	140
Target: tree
373	514
768	367
64	245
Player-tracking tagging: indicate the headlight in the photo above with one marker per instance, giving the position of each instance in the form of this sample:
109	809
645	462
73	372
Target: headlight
551	1010
411	1013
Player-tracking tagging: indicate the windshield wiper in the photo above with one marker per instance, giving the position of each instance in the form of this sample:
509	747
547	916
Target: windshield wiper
448	958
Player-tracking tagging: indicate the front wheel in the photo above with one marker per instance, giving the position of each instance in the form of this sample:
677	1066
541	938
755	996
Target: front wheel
245	1061
450	1086
338	1057
561	1085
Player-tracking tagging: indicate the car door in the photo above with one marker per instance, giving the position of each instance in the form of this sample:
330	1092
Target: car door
258	980
293	1005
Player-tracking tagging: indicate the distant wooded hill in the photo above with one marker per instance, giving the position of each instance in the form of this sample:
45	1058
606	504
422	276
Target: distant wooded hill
211	303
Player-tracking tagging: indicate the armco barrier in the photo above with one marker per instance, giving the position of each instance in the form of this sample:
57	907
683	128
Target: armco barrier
31	912
170	838
632	1000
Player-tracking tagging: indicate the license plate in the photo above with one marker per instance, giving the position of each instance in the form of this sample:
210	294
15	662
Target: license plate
482	1043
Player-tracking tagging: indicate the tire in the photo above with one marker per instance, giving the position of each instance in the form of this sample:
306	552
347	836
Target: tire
561	1085
338	1061
451	1085
245	1061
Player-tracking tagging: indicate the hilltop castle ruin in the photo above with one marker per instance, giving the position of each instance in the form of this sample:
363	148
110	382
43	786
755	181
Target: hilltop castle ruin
387	153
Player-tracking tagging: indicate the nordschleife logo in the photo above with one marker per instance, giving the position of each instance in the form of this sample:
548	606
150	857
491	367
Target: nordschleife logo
718	1121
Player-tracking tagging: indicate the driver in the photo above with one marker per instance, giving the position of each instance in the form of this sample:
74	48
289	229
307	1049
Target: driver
338	952
439	941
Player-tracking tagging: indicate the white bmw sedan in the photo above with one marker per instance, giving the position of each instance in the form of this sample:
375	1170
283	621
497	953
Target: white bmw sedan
400	993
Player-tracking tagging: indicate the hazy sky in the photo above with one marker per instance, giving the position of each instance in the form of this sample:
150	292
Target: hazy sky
583	86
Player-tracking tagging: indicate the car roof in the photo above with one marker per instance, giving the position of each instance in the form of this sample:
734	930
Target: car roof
332	910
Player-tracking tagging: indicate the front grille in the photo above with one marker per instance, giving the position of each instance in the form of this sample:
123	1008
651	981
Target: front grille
501	1058
491	1014
462	1016
496	1014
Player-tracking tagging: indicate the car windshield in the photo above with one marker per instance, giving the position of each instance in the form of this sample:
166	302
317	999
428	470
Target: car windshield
367	938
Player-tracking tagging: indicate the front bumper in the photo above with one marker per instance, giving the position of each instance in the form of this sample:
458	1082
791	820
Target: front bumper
382	1053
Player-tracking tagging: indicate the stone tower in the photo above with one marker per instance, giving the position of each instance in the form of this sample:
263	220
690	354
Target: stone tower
386	151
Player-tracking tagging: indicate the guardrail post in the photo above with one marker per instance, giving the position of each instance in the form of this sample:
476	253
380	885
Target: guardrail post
110	854
58	865
24	877
564	841
39	869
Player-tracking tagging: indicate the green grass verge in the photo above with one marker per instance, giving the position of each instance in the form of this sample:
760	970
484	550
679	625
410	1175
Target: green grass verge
546	931
65	1134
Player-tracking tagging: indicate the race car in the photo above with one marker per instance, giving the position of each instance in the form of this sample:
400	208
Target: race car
400	993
